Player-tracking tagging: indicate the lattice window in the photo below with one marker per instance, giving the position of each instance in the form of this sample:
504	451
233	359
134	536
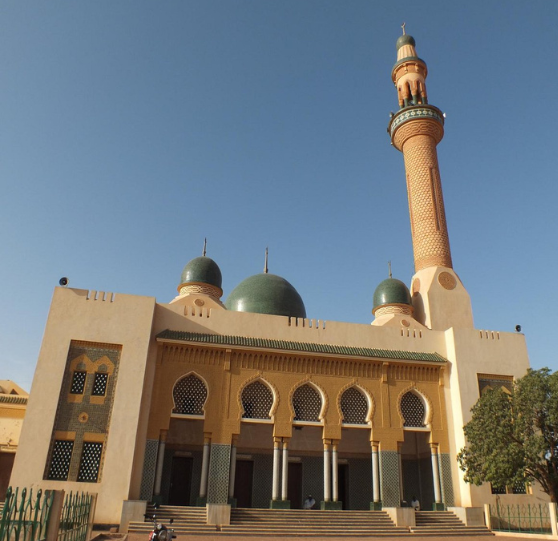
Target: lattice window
354	407
100	384
519	488
60	461
90	462
257	400
190	394
78	382
413	410
497	490
307	404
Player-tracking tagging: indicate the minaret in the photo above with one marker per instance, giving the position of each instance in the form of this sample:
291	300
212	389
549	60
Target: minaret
439	299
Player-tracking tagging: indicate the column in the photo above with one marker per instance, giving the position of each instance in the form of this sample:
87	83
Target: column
400	462
375	473
334	469
285	472
327	472
436	473
232	475
205	468
276	459
160	461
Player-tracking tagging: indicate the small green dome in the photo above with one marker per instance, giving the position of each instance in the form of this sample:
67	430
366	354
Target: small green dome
391	291
405	39
202	270
266	294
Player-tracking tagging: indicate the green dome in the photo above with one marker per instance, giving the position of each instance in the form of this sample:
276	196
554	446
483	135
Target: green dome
405	39
266	294
391	291
202	270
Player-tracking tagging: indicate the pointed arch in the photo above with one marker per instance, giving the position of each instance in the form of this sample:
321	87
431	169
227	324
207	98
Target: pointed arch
259	399
189	395
409	405
368	414
308	402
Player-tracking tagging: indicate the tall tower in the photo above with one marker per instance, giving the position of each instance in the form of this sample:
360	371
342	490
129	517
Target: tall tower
439	298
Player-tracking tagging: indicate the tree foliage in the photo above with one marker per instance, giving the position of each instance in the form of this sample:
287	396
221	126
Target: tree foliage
513	438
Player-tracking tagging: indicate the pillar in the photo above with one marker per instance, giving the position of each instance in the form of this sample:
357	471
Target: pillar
160	461
327	473
233	472
334	471
436	477
276	465
205	468
285	472
376	503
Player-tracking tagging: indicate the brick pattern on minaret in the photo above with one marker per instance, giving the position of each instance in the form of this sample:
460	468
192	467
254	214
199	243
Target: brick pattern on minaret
416	130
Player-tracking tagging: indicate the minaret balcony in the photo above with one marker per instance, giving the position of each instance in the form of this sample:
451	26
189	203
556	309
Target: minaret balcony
414	112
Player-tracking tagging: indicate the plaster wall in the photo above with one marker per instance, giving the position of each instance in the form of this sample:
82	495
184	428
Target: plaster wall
472	352
88	316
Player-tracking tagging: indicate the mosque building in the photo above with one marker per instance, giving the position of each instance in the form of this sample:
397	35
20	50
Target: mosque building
246	402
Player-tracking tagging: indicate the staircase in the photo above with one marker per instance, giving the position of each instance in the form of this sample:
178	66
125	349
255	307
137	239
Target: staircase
444	523
310	523
187	520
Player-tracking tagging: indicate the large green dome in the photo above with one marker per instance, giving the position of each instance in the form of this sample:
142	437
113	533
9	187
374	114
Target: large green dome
202	270
266	294
391	291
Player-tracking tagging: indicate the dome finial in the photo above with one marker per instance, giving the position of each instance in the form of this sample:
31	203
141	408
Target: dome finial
204	246
403	27
266	258
389	267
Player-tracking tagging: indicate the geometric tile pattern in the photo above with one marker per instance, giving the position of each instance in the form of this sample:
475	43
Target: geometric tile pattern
149	465
413	410
257	400
90	462
262	480
447	482
61	457
307	404
389	475
219	468
354	407
190	394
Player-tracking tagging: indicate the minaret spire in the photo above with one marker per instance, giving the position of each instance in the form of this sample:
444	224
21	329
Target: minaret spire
266	257
439	298
204	246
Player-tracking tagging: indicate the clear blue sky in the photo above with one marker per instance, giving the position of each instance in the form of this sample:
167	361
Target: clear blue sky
131	130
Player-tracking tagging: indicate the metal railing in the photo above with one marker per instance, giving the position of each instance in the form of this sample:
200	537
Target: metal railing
24	516
527	518
75	517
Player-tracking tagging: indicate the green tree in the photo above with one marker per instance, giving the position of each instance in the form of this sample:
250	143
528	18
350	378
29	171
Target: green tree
513	437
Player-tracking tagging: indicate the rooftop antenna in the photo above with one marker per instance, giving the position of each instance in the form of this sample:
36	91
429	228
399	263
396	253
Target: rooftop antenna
403	27
389	267
266	257
204	246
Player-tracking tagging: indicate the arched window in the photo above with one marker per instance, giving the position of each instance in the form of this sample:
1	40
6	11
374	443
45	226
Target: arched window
189	394
413	410
257	400
354	407
307	404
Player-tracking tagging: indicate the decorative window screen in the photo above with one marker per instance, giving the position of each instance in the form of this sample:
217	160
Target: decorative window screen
90	462
497	490
189	395
257	400
354	407
60	461
100	384
413	410
78	382
519	488
307	404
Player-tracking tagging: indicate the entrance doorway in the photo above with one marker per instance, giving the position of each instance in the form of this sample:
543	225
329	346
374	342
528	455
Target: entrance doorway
181	480
294	492
343	484
416	463
243	483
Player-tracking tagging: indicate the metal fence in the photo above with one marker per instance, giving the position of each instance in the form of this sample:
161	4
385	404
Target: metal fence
47	516
527	518
25	516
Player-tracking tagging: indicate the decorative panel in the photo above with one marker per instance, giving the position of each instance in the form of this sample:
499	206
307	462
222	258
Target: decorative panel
219	468
257	400
447	482
307	404
389	476
354	406
190	394
413	410
149	466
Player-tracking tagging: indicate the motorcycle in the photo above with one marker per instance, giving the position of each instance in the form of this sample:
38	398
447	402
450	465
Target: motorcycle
160	532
